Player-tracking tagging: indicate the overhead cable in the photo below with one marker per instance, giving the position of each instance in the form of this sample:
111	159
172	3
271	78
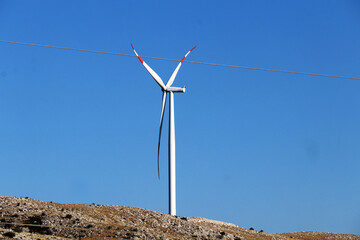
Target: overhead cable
175	60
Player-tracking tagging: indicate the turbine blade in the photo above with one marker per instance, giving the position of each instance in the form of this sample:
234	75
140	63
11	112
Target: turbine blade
161	122
172	78
156	77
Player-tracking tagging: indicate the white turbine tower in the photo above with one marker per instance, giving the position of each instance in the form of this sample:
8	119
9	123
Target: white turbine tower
168	89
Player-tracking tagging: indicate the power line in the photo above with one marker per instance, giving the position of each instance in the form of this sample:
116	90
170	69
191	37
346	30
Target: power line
175	60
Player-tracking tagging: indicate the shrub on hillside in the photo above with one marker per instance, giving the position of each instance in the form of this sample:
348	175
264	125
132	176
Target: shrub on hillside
9	234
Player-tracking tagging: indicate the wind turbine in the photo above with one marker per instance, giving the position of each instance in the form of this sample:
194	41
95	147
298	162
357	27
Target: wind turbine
171	90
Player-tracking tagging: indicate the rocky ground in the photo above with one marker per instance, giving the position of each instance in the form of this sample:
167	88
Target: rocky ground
24	218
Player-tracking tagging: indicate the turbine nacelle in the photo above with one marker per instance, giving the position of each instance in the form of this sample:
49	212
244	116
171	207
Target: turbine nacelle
175	89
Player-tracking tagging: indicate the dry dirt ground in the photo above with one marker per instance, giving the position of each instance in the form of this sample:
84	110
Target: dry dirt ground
24	218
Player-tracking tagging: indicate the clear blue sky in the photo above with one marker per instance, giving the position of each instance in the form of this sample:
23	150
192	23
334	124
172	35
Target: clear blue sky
273	151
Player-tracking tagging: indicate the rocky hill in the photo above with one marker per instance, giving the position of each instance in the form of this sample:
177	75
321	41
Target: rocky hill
24	218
